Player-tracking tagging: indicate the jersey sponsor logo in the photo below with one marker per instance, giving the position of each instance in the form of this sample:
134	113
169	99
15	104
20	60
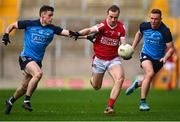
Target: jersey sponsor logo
153	37
109	41
40	34
150	41
39	38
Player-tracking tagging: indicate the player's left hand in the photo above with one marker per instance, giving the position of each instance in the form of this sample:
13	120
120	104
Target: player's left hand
163	60
92	37
5	39
74	35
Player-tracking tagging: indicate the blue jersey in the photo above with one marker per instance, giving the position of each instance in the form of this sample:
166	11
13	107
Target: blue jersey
155	40
37	38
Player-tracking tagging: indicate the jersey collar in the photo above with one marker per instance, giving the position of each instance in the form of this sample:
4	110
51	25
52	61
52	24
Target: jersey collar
109	25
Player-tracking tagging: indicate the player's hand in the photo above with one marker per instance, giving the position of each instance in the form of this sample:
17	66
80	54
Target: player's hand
163	60
5	39
92	37
74	35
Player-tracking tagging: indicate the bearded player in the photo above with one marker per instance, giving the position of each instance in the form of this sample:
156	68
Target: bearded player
110	34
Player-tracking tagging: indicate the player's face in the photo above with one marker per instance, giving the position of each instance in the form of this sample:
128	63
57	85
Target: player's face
155	20
47	17
112	18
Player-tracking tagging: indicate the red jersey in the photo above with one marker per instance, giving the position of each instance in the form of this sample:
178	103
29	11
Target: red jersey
108	40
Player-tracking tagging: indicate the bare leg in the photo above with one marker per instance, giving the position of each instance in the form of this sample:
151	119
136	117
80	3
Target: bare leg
34	70
20	91
117	74
36	73
96	80
148	76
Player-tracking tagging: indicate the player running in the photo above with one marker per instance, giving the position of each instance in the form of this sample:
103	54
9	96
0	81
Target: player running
157	37
38	34
110	34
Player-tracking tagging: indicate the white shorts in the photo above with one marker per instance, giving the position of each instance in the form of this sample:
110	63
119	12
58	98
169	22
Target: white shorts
100	66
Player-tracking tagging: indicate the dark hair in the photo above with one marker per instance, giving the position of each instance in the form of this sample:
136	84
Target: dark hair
156	11
45	8
113	8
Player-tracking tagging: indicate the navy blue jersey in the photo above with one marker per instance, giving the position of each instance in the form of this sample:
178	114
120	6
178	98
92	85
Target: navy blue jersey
37	38
155	40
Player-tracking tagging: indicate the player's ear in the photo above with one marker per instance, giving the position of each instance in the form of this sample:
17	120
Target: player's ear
42	14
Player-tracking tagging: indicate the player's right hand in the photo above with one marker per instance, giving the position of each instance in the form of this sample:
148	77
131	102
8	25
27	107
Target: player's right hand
5	39
74	35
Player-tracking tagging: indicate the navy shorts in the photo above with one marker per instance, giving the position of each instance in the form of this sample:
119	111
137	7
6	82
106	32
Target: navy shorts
157	65
24	60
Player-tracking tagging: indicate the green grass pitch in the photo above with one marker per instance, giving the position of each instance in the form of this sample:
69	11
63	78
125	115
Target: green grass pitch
88	105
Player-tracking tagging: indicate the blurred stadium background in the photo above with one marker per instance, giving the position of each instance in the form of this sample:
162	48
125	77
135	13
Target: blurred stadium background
67	64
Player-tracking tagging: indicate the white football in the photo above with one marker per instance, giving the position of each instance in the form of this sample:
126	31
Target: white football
125	51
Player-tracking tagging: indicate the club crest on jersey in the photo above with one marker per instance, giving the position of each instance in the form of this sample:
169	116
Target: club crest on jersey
119	33
112	32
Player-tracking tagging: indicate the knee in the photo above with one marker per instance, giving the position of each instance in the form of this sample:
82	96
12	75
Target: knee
38	75
149	75
95	86
119	81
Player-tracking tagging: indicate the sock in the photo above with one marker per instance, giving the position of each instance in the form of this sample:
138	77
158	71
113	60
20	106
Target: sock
27	98
111	102
12	100
143	100
136	85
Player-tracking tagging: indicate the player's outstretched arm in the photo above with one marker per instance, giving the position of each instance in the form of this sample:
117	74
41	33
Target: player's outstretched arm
5	38
82	34
137	39
88	31
70	34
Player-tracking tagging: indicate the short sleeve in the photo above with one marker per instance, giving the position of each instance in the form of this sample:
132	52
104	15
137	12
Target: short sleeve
141	27
123	33
144	26
168	36
23	24
100	27
58	30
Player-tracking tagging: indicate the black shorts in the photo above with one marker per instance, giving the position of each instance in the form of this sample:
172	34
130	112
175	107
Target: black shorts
157	65
24	60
